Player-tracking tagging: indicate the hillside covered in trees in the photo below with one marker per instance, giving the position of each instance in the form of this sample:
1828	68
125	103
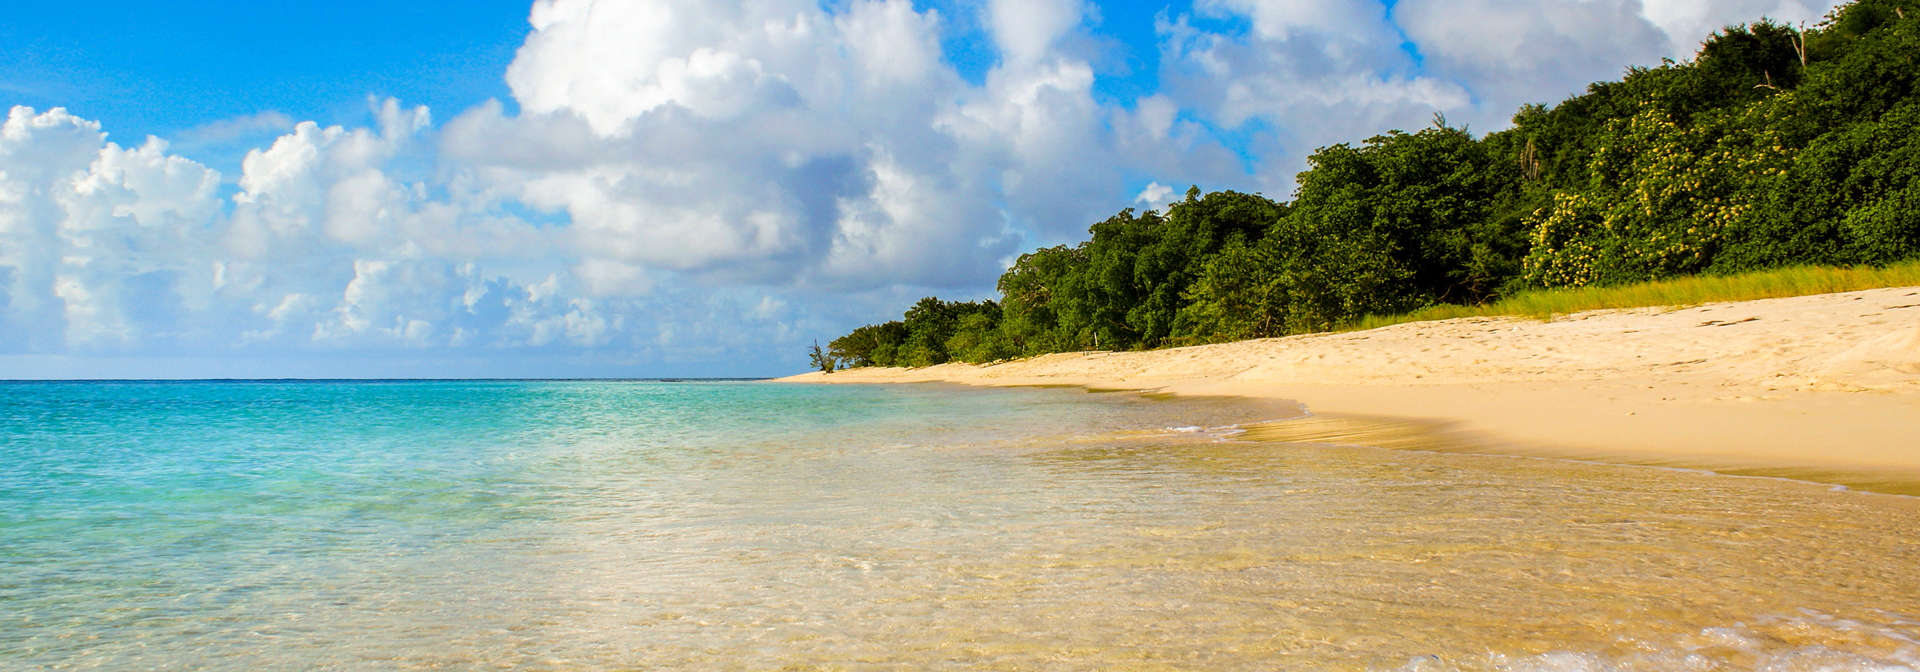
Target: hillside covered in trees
1772	147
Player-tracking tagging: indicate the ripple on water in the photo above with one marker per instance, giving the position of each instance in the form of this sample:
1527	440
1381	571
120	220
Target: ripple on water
586	526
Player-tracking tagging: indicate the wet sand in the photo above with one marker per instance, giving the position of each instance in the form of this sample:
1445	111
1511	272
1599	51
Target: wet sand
1823	388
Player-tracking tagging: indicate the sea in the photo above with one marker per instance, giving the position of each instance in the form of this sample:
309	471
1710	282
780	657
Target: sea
742	525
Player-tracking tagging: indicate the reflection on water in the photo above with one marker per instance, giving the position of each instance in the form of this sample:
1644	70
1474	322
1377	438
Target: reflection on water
1432	435
942	528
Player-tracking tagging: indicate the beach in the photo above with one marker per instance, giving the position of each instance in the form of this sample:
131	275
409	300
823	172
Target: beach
728	525
1823	387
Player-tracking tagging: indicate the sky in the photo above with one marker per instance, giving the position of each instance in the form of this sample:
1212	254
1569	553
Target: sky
672	188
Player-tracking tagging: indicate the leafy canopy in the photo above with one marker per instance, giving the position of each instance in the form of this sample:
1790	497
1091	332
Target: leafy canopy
1773	147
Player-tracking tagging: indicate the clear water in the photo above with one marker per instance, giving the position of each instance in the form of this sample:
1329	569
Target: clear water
754	526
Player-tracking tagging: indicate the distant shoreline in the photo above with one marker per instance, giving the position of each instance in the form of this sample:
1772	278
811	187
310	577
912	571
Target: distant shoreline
671	379
1823	388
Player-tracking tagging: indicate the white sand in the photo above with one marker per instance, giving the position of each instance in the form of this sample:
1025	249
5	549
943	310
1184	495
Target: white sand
1828	381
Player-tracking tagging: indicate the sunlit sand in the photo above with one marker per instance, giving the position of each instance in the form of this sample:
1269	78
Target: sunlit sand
1824	387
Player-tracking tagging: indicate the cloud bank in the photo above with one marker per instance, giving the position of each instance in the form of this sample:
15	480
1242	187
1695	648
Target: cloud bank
693	187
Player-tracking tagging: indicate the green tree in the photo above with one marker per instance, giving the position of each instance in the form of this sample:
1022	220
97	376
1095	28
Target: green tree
871	345
977	336
1427	201
1661	197
1031	323
1123	288
1298	279
821	360
1774	145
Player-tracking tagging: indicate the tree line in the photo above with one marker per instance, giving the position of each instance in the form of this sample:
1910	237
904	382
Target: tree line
1774	146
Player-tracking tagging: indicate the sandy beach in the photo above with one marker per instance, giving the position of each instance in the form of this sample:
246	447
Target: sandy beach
1822	387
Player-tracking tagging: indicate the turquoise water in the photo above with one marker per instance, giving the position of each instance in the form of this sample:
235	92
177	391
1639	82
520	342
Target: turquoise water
225	523
731	525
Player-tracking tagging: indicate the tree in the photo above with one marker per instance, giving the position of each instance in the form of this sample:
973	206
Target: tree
977	337
1427	202
821	360
871	345
1775	145
1033	293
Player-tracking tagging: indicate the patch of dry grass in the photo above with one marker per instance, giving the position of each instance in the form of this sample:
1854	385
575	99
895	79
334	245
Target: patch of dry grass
1689	291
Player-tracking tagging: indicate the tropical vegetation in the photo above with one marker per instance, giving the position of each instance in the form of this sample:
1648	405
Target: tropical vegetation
1775	147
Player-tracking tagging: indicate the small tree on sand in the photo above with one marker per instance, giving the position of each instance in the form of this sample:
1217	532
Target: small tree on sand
821	360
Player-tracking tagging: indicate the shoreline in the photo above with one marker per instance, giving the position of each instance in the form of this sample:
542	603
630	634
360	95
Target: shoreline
1823	388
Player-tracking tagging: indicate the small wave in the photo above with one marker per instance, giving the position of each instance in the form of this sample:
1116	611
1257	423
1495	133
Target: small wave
1758	647
1217	433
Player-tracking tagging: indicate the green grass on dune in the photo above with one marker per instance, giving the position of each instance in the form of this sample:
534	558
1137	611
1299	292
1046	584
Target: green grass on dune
1688	291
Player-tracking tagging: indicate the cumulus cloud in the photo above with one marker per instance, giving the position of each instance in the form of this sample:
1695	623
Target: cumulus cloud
110	249
1307	73
1155	195
758	142
1312	72
684	180
784	143
90	232
1510	52
1687	22
778	154
1026	30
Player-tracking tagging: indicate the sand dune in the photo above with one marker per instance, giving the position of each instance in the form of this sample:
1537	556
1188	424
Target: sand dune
1828	382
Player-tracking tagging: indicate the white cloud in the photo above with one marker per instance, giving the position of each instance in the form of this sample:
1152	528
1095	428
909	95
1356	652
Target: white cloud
109	249
1317	72
715	177
778	153
89	231
1026	30
1687	22
1155	196
613	278
237	128
1511	52
749	142
1349	21
782	142
1313	73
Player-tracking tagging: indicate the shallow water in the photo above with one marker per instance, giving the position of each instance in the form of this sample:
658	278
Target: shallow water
646	525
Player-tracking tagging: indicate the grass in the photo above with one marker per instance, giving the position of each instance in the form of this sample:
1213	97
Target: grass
1688	291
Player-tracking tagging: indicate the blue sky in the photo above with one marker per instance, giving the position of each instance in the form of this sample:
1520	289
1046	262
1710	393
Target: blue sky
671	187
167	69
143	68
162	67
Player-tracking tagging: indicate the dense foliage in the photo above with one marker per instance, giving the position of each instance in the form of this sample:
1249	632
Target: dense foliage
1774	146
